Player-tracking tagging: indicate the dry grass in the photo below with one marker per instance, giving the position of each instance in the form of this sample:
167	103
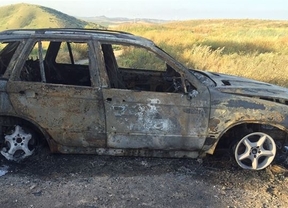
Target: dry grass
256	49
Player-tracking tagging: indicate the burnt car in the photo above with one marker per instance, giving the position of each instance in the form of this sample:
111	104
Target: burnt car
85	91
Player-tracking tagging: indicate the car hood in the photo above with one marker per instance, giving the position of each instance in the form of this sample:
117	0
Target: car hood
247	87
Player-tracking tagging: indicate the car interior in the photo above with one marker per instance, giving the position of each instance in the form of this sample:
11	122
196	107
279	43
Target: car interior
73	73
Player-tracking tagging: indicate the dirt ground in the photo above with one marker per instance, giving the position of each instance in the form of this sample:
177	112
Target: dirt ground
89	181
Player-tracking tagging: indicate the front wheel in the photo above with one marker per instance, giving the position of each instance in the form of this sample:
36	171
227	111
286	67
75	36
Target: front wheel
19	143
255	151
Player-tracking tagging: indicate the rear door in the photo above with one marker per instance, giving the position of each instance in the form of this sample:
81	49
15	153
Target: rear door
57	87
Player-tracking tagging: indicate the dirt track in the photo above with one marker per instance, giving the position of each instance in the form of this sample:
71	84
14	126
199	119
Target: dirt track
95	181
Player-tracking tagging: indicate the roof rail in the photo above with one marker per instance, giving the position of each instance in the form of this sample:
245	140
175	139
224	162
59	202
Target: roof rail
78	30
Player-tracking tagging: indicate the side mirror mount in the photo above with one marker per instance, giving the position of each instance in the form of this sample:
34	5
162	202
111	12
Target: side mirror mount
192	94
190	90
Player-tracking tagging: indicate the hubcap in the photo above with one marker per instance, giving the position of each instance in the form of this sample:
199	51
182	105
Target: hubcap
17	145
255	151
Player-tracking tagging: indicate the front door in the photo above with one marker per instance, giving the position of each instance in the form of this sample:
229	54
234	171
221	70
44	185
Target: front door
147	105
154	120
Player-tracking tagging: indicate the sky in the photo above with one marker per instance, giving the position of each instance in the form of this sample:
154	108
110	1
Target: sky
168	9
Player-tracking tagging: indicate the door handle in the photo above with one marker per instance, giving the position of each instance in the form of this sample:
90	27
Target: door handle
28	93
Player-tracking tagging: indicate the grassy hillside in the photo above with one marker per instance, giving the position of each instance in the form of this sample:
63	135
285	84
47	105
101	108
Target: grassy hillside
255	49
33	16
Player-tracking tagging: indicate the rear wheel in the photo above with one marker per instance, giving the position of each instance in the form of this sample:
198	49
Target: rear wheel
19	143
255	151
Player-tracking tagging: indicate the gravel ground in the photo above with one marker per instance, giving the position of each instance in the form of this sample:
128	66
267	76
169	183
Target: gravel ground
90	181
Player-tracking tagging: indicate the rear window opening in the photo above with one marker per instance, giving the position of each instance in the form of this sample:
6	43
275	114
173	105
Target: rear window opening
7	50
58	62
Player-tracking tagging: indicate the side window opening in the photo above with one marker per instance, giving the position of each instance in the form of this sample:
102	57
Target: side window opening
58	63
7	50
73	53
136	68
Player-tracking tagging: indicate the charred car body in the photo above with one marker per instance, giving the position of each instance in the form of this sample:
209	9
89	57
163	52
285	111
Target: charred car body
113	93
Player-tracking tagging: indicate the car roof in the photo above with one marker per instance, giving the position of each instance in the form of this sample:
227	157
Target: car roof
75	32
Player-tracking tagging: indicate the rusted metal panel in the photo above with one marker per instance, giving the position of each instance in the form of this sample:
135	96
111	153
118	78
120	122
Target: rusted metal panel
229	110
72	115
153	120
233	110
128	152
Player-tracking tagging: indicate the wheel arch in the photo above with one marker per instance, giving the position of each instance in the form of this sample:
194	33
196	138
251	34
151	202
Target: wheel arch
8	120
276	131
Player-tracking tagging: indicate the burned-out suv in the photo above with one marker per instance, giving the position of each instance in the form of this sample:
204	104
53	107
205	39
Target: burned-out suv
112	93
